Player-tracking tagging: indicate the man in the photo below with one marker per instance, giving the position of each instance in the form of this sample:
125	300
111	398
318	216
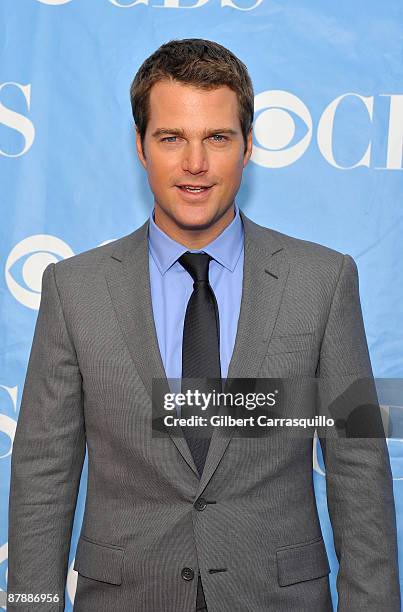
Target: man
173	524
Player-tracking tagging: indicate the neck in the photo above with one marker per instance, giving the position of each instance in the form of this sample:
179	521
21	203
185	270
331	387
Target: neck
192	238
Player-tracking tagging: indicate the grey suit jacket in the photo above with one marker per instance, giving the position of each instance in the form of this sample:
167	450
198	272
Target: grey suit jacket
258	543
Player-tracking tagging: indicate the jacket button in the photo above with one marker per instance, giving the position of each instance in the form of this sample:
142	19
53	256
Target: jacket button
187	573
200	504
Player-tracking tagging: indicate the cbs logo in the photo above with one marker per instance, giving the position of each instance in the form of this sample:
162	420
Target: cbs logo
275	127
27	261
33	254
170	4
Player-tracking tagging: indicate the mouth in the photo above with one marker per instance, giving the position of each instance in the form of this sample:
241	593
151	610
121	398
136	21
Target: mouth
194	192
194	188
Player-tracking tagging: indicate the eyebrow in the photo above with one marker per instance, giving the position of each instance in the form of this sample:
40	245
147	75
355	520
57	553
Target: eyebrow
180	132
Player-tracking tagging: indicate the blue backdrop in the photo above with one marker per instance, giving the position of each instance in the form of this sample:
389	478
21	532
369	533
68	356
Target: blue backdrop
326	166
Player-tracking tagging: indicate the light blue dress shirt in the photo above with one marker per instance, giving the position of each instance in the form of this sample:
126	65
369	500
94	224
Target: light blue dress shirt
172	286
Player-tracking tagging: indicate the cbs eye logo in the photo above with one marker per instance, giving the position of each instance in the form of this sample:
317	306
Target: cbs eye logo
8	424
281	141
275	128
28	259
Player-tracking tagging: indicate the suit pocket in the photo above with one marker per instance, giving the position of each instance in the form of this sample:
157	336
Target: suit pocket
304	561
99	561
290	343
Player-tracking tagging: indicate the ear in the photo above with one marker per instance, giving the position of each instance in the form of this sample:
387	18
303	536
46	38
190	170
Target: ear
139	149
248	151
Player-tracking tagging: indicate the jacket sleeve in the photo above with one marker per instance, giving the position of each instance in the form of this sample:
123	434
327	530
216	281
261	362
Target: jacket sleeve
46	462
359	483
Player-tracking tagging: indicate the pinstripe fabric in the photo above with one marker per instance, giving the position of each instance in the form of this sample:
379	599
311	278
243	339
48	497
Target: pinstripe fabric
258	543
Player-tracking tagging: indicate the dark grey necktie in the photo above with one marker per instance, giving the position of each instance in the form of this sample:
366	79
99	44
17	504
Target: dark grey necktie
200	348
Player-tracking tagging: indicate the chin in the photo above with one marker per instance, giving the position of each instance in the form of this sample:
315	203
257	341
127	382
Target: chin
187	222
194	219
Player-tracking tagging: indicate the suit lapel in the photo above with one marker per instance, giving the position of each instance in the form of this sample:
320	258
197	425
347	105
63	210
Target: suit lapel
128	279
265	273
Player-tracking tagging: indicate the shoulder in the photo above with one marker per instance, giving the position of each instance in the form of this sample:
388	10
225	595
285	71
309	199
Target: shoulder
306	258
91	263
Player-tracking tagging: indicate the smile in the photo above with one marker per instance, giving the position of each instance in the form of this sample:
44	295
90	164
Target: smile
194	193
193	189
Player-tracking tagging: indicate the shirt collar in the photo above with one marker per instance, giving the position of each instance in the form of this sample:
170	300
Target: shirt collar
225	249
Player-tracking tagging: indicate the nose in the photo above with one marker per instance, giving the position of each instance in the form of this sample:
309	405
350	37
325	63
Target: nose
194	158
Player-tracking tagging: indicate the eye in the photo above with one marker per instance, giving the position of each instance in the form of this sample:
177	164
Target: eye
221	137
168	139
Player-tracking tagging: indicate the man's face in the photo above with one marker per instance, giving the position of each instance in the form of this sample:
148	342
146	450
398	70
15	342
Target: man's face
193	138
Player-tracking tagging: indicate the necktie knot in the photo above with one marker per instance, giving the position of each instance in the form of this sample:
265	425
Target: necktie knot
197	264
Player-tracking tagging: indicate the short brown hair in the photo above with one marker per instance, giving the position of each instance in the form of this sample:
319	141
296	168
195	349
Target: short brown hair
192	61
